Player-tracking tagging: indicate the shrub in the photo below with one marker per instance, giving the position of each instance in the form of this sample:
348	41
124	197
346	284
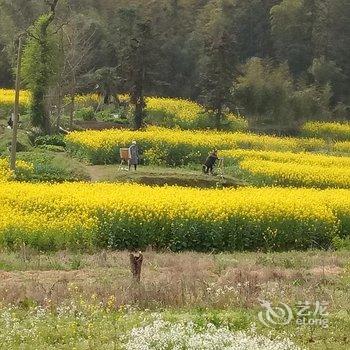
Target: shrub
51	167
54	140
85	113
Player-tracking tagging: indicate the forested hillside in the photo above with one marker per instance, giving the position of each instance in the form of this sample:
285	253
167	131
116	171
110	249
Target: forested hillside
276	62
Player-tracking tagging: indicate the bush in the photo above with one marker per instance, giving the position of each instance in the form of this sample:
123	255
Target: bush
54	140
23	143
119	115
86	114
51	167
268	94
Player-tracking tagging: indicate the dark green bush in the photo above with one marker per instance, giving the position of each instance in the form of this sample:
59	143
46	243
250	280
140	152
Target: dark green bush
54	140
86	114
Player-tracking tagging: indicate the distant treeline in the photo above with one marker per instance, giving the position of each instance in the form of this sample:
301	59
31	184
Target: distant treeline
276	62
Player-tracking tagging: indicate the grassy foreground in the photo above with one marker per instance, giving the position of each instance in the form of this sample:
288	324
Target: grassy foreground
68	300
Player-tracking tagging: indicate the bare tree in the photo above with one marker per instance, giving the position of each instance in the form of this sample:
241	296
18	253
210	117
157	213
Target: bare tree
75	49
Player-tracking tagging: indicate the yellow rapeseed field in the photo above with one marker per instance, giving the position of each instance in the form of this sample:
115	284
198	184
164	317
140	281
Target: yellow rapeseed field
293	169
6	174
180	146
7	98
288	157
185	114
327	130
183	109
133	216
298	175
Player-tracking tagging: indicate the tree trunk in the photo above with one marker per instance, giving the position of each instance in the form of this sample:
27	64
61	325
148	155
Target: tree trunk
218	116
46	121
16	107
138	114
72	101
135	265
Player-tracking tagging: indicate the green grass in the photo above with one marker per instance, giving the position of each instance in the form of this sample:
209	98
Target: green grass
88	301
54	166
6	138
89	326
152	175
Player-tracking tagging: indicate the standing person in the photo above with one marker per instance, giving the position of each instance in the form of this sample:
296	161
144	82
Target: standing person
208	166
133	155
11	119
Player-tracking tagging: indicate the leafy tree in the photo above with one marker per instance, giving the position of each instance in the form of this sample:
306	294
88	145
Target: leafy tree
331	37
191	49
40	68
291	25
263	91
136	57
217	57
268	95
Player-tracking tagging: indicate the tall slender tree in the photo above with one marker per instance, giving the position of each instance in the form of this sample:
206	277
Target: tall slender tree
135	43
39	66
217	63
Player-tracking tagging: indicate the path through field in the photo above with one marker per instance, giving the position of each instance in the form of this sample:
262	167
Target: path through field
149	175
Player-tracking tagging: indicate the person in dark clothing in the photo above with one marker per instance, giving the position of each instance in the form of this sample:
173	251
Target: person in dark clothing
10	121
133	155
209	164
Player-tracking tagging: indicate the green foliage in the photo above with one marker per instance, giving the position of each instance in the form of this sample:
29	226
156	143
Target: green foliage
137	52
23	143
268	95
191	50
341	243
325	72
40	67
264	90
115	114
291	24
217	57
54	140
51	167
85	113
